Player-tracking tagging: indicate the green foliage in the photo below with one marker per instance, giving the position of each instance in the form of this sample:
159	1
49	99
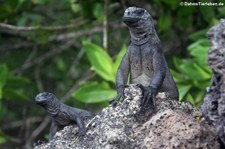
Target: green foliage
103	65
192	74
3	78
98	12
101	62
14	89
56	59
119	58
75	6
2	140
164	22
94	92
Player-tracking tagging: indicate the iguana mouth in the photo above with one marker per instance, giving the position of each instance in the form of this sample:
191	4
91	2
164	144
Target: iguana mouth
130	20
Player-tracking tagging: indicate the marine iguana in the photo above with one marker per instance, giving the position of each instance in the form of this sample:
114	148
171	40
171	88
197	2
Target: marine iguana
144	60
61	114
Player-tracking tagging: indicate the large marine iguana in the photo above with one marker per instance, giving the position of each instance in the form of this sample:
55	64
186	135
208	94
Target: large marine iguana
61	114
144	60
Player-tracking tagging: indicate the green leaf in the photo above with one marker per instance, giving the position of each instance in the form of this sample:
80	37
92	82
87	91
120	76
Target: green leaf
20	2
173	4
15	94
177	61
164	22
195	72
198	35
93	92
2	140
16	82
41	36
98	12
203	42
221	11
208	13
202	84
200	96
191	69
101	62
61	64
199	50
183	89
119	58
75	6
3	78
178	78
190	99
3	110
184	17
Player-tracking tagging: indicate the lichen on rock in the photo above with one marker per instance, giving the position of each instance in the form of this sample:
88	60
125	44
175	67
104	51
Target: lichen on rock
171	124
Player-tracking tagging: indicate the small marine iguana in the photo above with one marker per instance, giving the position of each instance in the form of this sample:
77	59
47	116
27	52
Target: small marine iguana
61	114
144	60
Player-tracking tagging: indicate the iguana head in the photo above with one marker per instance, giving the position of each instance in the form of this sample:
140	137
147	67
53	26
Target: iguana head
139	22
48	101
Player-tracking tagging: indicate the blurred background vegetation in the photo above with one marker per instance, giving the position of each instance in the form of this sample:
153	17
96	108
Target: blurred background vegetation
72	48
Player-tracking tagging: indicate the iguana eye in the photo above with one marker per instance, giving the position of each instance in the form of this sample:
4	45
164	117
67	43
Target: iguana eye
140	12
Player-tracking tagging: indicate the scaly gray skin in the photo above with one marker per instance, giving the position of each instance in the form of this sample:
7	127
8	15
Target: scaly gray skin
144	59
61	114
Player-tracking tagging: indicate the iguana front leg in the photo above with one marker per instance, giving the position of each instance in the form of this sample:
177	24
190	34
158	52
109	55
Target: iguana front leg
81	125
75	116
53	129
121	78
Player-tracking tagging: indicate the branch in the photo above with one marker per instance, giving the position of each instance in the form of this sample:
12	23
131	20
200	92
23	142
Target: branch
42	58
50	28
105	26
98	29
20	123
14	46
39	129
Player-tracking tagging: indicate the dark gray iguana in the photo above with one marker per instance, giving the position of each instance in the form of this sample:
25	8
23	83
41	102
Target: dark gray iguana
61	114
144	60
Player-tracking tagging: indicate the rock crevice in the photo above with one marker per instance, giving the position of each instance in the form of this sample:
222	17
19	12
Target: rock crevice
214	101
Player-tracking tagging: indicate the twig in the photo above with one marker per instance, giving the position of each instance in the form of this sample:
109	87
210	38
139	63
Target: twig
64	37
76	61
32	28
36	61
89	123
20	123
98	29
41	58
40	128
105	26
123	4
32	54
87	76
38	79
20	45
